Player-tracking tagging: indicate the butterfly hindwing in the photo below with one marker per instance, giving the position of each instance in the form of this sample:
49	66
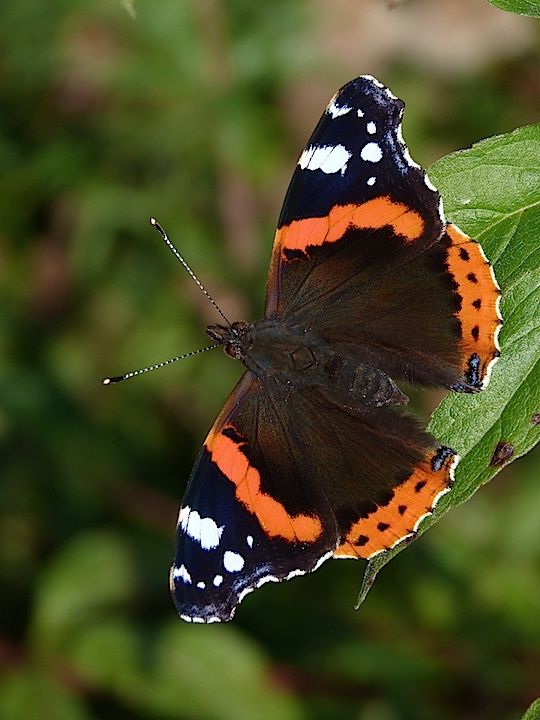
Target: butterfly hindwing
276	491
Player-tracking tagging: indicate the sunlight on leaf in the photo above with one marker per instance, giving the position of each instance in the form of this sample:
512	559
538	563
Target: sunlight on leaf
129	6
520	7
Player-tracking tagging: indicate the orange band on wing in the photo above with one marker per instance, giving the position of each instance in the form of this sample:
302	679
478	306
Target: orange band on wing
371	215
479	314
273	517
411	502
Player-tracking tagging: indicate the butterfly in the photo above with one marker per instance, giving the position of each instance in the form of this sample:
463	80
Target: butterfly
313	455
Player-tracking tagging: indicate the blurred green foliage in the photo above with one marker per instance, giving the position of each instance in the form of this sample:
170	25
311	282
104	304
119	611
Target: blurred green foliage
195	111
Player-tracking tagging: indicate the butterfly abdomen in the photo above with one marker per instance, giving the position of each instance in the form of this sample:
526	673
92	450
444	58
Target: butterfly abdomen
302	359
354	383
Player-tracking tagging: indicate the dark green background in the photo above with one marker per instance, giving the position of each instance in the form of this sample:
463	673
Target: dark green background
195	112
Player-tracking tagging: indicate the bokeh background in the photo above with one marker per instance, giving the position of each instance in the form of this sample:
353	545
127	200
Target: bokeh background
195	111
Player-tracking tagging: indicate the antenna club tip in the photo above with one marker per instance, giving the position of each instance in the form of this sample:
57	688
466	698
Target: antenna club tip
153	221
106	381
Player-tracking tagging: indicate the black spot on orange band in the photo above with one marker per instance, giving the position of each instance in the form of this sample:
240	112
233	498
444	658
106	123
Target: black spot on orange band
478	313
390	524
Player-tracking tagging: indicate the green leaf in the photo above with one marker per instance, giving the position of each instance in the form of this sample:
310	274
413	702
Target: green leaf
34	694
520	7
92	574
533	711
492	192
109	654
213	673
180	671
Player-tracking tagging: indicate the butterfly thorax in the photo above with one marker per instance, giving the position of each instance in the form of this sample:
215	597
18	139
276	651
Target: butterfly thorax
277	353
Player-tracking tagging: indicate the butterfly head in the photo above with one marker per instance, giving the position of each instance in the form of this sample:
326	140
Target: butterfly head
237	338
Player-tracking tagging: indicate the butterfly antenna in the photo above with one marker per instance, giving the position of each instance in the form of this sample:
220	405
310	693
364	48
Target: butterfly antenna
134	373
180	259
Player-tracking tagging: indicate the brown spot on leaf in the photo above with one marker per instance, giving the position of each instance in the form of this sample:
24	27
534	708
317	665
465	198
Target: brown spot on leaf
503	452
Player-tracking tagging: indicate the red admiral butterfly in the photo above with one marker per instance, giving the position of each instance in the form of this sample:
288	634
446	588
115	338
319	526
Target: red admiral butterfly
312	457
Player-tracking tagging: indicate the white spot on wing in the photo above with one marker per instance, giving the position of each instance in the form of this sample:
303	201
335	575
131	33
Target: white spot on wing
218	580
210	533
201	585
371	152
183	517
336	110
249	541
371	128
360	113
232	562
182	574
328	158
203	530
371	181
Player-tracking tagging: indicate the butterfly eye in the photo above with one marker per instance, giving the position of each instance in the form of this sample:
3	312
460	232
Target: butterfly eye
233	351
